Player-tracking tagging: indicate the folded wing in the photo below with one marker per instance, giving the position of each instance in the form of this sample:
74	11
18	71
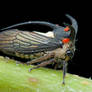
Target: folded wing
25	42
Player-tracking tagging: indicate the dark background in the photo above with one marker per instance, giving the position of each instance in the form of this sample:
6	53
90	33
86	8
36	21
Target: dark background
80	65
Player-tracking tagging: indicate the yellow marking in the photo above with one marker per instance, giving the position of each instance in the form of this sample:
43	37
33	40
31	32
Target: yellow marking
31	56
34	56
5	41
22	55
39	54
17	54
27	56
67	58
33	46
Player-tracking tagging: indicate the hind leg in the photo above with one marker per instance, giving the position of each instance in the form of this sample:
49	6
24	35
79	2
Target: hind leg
40	59
64	71
43	64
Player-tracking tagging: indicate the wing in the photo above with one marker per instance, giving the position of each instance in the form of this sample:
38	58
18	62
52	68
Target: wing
25	42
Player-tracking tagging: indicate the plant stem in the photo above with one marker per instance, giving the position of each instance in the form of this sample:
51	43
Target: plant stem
16	78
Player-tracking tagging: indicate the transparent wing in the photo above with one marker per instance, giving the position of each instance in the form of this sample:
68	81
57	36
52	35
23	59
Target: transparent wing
26	42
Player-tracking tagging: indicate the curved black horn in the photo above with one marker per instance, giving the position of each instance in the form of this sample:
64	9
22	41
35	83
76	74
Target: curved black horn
74	23
51	25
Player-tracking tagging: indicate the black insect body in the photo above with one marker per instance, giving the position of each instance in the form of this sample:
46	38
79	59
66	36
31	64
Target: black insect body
40	48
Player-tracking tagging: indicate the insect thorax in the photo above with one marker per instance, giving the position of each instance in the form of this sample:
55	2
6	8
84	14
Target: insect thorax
61	53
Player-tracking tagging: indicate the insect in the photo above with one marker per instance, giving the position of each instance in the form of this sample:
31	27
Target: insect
40	48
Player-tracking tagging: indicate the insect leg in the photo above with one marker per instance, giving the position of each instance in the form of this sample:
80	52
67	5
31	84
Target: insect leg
56	65
64	71
43	58
43	64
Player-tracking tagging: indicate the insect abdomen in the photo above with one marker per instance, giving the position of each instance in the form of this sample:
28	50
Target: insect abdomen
29	56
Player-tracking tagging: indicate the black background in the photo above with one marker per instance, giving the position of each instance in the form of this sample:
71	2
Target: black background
55	13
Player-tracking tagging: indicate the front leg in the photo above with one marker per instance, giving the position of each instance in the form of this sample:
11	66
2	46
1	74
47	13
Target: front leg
43	64
64	71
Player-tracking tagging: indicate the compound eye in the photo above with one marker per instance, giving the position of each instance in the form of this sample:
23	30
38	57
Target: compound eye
70	53
66	29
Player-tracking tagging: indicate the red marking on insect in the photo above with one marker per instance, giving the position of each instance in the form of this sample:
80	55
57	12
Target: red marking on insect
65	40
66	29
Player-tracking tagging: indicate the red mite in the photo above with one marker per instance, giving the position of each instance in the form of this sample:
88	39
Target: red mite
65	40
67	29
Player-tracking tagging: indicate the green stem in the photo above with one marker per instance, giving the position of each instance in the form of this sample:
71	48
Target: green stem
16	78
